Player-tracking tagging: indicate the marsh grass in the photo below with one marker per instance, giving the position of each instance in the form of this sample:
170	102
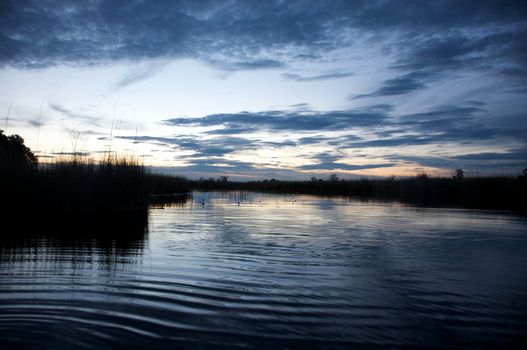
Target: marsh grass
113	186
80	186
499	193
77	195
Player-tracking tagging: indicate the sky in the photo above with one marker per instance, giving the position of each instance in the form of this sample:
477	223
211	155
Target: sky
262	89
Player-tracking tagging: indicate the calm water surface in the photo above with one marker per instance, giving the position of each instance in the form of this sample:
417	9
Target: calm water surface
275	272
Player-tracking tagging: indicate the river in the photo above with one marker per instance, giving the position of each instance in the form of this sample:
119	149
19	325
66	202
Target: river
272	272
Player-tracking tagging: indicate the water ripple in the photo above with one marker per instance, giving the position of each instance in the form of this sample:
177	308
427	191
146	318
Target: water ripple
274	273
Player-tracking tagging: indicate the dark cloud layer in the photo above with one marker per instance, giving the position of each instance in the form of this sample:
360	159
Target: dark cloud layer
467	122
517	154
401	85
217	147
463	124
255	34
290	121
326	161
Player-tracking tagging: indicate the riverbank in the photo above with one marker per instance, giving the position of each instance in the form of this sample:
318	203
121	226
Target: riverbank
496	193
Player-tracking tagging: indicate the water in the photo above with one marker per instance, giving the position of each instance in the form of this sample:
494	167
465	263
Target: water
266	271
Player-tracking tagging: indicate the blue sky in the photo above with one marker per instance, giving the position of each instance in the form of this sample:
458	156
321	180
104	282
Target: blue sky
259	89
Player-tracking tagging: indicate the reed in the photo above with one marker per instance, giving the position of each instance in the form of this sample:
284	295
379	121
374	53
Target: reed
78	186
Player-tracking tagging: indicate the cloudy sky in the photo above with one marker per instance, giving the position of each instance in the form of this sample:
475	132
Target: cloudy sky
259	89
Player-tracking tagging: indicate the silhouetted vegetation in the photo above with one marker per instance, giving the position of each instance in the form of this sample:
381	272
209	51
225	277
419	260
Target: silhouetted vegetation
500	193
77	187
458	174
121	187
14	155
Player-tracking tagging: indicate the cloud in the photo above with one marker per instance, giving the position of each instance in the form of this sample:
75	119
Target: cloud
139	73
240	35
495	162
232	130
479	42
313	140
74	115
83	132
210	147
219	166
248	64
342	166
443	52
326	161
147	139
290	120
517	154
467	123
37	123
400	85
327	76
376	126
75	154
236	170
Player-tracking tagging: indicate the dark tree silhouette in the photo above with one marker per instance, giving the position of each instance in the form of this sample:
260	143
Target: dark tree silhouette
14	154
458	174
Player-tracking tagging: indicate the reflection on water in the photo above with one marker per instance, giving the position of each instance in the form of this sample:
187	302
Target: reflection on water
266	271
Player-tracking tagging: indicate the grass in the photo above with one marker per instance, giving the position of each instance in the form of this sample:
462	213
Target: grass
78	187
84	198
114	186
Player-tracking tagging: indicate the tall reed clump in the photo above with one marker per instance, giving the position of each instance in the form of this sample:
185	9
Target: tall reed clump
113	186
76	187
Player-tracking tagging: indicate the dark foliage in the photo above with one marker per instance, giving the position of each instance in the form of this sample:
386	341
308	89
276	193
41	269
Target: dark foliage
14	155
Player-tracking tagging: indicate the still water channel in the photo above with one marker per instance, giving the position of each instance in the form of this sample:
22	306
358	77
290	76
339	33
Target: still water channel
272	271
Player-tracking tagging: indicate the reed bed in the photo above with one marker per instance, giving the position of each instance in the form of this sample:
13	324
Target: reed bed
77	186
499	193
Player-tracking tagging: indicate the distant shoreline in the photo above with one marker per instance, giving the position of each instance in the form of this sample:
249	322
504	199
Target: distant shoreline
493	193
120	186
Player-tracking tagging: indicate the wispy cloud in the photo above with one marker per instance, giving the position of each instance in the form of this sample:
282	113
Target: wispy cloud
305	120
75	115
326	161
327	76
401	85
140	73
